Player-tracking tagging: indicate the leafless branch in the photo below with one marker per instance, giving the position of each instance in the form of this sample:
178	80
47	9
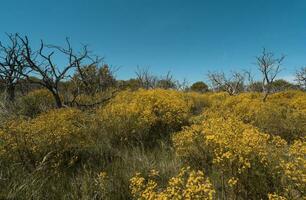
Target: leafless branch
270	67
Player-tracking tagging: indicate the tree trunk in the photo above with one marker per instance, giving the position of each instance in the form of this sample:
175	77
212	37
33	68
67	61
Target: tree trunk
265	96
57	99
10	92
266	91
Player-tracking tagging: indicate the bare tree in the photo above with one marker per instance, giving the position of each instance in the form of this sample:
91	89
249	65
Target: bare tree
148	80
182	85
269	66
41	64
10	56
301	77
167	82
232	85
145	78
249	80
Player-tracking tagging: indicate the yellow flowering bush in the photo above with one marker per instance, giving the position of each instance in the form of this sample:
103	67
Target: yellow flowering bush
57	134
144	114
228	137
293	98
36	102
171	108
276	197
284	114
248	149
294	169
102	183
236	152
188	184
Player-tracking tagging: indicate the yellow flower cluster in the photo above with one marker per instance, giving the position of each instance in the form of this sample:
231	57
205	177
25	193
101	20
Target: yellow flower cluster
188	184
232	182
276	197
102	181
132	114
294	99
284	114
229	140
54	131
249	149
294	168
234	151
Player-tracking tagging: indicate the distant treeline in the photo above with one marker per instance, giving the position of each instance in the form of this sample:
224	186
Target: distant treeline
24	68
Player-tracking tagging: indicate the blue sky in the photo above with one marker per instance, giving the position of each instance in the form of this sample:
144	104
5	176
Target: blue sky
185	37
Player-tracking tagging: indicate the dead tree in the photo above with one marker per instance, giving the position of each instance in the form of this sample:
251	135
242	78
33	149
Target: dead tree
145	78
270	67
148	80
232	85
182	85
10	56
301	77
249	80
40	63
167	82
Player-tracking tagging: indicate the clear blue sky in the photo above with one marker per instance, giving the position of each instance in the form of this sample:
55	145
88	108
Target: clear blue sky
186	37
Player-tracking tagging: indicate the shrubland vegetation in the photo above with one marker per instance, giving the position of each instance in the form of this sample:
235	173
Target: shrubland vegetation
76	132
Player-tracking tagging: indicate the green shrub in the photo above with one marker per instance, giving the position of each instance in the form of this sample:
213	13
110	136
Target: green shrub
36	102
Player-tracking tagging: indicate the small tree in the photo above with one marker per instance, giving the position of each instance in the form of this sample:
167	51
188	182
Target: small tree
10	56
199	86
301	77
232	85
269	66
145	78
92	79
166	82
107	77
40	63
183	85
255	86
